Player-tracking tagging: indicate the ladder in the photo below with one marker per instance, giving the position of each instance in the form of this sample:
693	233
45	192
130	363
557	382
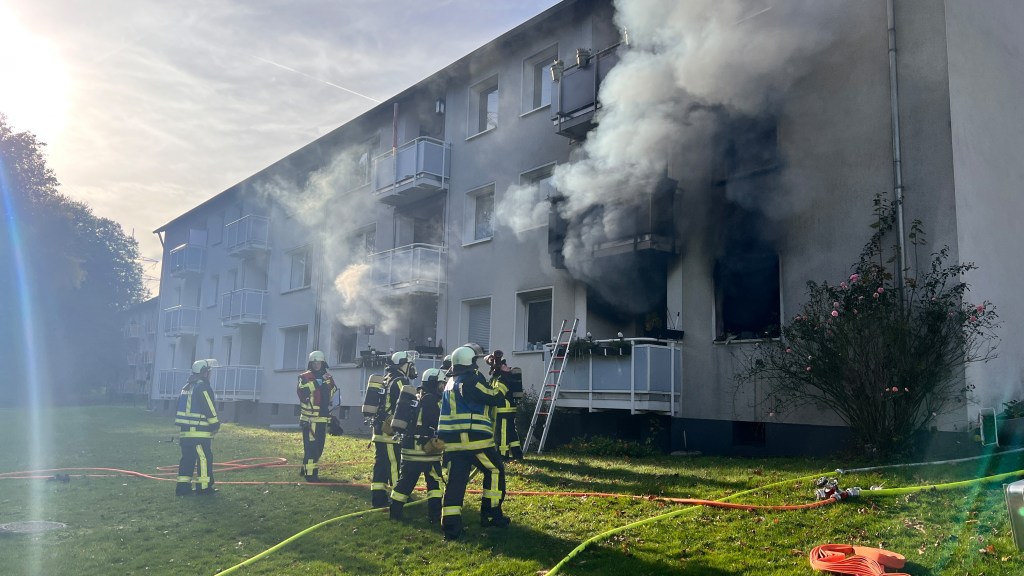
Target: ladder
545	409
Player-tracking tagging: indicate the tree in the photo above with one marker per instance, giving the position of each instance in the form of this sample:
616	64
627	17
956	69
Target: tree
65	273
887	356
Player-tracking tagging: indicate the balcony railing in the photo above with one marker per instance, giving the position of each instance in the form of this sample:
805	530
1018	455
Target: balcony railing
170	382
640	378
181	321
133	331
416	268
577	93
237	382
249	234
133	358
187	259
414	171
243	306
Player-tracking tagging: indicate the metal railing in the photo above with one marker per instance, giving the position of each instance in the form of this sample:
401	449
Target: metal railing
243	306
181	321
248	233
419	267
420	159
237	382
187	259
170	382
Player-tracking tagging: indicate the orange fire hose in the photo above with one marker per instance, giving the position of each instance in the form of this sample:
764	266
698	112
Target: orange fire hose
856	560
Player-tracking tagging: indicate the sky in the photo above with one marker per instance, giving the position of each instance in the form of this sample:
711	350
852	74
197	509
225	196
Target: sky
149	107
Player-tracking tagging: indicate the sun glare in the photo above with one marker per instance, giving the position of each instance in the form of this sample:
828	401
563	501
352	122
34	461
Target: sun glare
34	81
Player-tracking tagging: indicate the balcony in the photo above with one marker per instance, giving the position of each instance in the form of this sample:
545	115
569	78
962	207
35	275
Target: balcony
181	321
243	306
577	93
646	379
170	382
646	229
133	358
237	382
187	260
412	269
416	170
132	331
248	235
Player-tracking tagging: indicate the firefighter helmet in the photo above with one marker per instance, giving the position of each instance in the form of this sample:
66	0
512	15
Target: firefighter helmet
317	356
478	350
432	374
199	365
464	356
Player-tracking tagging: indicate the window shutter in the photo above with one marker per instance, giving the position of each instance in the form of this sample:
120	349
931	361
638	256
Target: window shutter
480	324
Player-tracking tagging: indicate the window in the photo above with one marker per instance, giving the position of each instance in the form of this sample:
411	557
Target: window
214	292
480	214
478	322
343	340
216	227
362	163
294	355
365	243
537	81
226	345
533	319
534	197
747	295
300	274
209	348
483	106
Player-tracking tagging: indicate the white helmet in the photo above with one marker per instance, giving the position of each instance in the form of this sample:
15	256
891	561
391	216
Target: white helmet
317	356
464	356
199	365
477	349
432	374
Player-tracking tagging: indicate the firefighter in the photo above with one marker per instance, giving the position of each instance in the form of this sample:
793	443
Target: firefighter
387	458
197	417
421	450
467	430
316	390
506	437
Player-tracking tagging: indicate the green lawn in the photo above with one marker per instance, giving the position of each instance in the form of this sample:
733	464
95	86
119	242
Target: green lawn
121	524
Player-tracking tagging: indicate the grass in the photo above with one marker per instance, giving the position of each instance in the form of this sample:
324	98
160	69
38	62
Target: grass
119	524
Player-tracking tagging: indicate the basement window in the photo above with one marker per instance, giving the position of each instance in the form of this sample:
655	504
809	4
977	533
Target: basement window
747	296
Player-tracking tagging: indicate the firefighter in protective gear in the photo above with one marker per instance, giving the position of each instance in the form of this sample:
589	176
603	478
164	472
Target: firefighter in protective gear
197	418
316	390
387	457
421	451
506	437
466	427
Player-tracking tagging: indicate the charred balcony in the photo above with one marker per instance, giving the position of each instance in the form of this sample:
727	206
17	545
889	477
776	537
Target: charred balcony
577	90
248	235
415	170
643	225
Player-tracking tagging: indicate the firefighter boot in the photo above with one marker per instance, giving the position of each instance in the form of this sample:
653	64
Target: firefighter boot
451	527
314	477
379	498
396	509
434	511
183	489
492	516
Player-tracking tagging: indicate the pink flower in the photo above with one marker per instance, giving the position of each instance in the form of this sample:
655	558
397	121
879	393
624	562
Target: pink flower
835	304
875	295
835	313
854	277
843	285
895	389
788	350
880	290
980	308
808	369
973	318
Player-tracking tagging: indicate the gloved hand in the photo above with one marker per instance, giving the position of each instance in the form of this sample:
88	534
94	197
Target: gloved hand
215	427
304	425
386	428
433	446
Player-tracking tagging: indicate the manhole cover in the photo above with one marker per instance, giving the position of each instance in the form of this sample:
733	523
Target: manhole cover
31	527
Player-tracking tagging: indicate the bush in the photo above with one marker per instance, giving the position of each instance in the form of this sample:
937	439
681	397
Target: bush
887	356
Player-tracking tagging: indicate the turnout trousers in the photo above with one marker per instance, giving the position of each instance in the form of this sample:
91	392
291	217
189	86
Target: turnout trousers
410	474
459	464
313	439
386	462
197	460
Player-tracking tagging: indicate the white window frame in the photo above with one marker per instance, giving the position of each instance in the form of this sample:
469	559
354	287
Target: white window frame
480	120
473	197
213	295
467	331
363	249
299	351
540	200
537	68
524	298
288	277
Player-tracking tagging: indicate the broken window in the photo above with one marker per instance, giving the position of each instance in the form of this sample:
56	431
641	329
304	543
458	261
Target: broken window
747	295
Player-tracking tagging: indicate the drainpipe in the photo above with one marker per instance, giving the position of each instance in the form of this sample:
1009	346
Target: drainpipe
897	165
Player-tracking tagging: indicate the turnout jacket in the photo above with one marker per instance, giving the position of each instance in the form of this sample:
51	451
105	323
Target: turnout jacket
315	391
468	411
197	410
394	380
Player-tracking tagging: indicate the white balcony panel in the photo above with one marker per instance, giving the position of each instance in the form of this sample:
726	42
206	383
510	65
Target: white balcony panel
237	382
416	268
187	259
414	171
646	380
181	321
247	235
243	306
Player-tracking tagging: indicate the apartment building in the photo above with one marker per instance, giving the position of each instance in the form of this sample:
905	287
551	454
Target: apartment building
672	191
140	322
